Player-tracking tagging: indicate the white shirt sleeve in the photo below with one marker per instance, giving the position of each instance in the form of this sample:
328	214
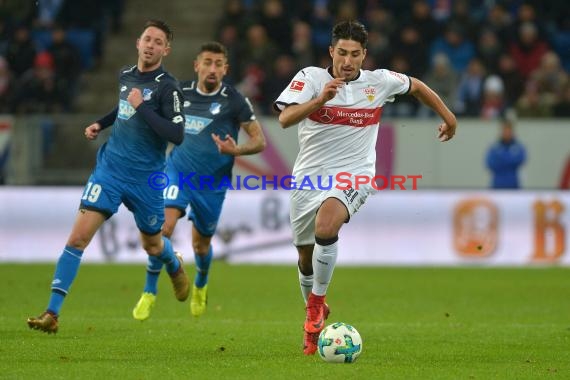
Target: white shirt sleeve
300	90
394	83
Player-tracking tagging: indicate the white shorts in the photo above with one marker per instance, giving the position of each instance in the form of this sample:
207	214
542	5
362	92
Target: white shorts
305	204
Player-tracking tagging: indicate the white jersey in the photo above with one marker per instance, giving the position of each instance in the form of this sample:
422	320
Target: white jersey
341	135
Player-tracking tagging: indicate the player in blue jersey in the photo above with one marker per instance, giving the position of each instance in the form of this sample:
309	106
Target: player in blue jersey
148	116
214	114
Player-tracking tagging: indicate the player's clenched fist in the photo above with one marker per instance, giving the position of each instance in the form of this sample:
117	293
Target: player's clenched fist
92	131
446	131
135	97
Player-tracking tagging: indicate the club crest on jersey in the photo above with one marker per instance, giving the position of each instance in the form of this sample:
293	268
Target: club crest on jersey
215	108
152	220
297	86
147	92
370	93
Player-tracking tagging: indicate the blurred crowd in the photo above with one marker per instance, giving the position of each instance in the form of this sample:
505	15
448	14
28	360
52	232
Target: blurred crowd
482	56
46	45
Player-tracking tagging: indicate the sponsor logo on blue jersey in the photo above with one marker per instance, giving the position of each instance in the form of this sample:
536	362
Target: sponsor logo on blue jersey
215	108
125	110
147	92
195	124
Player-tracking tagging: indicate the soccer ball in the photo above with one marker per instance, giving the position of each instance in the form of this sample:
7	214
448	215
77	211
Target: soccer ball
339	343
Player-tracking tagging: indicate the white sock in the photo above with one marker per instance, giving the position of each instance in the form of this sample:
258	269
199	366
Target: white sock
306	283
324	260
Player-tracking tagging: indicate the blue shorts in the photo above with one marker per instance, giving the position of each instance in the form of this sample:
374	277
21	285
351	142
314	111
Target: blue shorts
105	193
205	205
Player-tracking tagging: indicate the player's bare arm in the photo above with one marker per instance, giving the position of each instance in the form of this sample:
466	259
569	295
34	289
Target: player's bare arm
92	131
294	113
255	143
427	96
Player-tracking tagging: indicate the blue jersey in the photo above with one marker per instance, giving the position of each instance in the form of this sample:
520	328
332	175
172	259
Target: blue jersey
134	150
220	113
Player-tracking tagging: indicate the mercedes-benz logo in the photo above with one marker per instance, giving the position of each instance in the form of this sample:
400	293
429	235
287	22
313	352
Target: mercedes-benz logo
325	115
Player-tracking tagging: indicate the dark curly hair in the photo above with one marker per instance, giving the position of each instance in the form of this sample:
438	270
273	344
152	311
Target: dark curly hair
162	26
214	47
349	30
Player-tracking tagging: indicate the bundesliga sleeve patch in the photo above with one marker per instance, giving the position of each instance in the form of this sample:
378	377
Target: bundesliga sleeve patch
296	86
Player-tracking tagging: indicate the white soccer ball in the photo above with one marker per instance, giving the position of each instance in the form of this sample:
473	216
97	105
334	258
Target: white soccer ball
339	343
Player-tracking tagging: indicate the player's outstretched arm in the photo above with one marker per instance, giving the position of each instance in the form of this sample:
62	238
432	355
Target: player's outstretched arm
428	97
294	113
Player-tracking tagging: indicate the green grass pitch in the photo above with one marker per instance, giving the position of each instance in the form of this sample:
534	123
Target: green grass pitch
416	323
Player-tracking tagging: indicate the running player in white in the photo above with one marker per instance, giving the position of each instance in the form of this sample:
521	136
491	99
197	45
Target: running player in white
338	111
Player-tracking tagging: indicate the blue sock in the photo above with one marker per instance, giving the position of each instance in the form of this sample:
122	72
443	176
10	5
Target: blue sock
152	272
202	267
168	258
65	272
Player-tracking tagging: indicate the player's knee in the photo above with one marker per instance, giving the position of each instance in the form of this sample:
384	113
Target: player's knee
152	248
79	242
201	247
326	229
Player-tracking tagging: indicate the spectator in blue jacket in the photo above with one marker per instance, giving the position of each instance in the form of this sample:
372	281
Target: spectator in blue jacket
505	157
